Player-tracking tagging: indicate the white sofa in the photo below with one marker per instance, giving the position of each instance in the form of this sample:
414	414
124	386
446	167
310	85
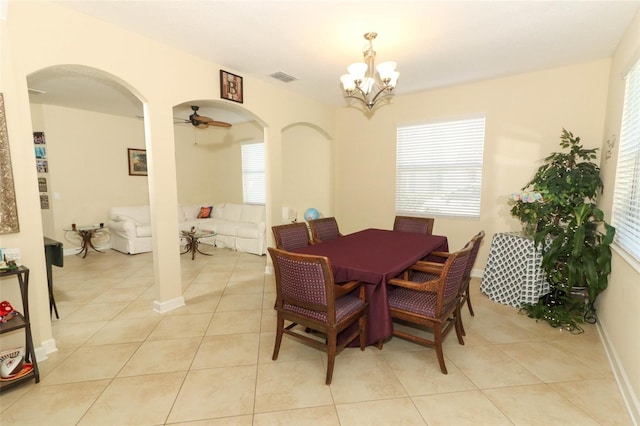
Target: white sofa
239	227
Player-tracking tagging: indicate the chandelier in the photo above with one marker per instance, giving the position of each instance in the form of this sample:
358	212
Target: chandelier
361	83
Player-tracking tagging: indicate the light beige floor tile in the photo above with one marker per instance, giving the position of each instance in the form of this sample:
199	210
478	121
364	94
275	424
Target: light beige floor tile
290	350
75	334
251	275
400	411
586	350
537	404
162	356
80	294
227	350
240	302
599	398
289	385
419	373
124	331
95	312
140	400
314	416
139	309
92	363
460	408
53	405
212	278
225	421
214	393
254	286
488	367
178	326
268	320
235	322
364	378
548	363
136	281
119	295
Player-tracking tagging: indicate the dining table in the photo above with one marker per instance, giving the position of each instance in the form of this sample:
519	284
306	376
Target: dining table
374	256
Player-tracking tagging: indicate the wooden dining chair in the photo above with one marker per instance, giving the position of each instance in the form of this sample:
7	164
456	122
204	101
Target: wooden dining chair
433	303
291	236
306	296
417	225
324	229
464	296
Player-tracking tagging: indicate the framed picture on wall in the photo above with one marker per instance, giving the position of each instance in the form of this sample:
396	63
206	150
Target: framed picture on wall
137	162
231	87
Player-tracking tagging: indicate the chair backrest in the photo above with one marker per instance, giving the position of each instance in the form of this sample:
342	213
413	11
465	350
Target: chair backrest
291	236
304	282
324	229
452	275
416	225
477	241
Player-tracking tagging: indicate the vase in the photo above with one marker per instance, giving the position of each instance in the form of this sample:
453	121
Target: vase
528	229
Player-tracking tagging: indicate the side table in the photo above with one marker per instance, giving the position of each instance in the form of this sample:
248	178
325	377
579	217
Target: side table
513	275
87	233
193	241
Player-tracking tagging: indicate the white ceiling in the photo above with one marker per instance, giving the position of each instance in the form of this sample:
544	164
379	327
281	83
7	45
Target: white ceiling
435	43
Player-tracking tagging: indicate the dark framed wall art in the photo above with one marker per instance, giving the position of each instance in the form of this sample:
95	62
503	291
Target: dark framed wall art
137	162
231	87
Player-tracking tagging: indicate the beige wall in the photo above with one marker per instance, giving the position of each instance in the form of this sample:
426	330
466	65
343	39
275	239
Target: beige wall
525	115
618	305
306	170
208	162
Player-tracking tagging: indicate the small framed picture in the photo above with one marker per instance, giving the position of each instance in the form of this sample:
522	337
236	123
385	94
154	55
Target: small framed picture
38	138
137	162
231	86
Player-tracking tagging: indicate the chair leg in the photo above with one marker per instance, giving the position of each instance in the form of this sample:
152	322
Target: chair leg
469	304
331	352
458	325
437	337
279	332
363	332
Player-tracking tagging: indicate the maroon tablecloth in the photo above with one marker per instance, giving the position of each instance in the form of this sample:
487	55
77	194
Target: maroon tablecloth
374	256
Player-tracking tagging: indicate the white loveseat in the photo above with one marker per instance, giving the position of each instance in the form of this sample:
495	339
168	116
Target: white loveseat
239	227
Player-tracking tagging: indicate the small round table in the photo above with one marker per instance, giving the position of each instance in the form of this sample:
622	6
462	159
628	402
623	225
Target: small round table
87	233
193	241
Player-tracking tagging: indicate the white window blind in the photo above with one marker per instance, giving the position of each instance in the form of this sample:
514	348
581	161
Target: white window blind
626	198
439	168
253	179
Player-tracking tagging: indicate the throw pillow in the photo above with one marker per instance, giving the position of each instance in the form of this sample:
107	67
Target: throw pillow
205	212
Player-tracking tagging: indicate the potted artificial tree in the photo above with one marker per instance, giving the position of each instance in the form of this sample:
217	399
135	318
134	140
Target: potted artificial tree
558	207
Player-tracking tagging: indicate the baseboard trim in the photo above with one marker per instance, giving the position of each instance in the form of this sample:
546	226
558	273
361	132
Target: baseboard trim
169	305
620	375
48	346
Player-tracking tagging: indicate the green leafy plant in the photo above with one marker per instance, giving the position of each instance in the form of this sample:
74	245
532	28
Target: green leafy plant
570	230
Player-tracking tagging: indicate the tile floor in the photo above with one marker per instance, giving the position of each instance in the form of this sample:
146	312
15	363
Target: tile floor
209	363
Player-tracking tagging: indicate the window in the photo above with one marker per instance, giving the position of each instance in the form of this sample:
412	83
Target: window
626	196
253	180
439	168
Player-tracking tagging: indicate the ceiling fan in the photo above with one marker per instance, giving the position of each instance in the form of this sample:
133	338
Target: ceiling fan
202	122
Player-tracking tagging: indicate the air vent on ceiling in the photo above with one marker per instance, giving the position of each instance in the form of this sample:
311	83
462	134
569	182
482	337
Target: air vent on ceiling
283	77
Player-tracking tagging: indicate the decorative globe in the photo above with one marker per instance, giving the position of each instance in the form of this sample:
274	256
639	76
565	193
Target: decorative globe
311	214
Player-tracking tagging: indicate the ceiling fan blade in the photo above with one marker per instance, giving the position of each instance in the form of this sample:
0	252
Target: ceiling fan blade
219	123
